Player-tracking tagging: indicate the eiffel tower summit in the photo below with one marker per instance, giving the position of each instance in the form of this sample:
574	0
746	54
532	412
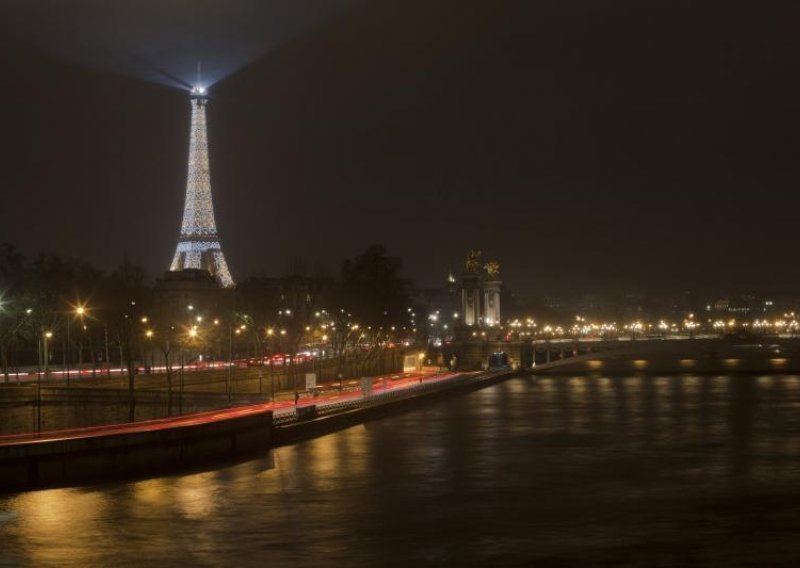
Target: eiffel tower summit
199	246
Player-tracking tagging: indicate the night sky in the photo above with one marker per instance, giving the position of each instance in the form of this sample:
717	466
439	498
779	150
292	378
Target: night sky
588	146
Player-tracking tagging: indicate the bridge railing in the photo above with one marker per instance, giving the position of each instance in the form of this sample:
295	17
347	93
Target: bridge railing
292	416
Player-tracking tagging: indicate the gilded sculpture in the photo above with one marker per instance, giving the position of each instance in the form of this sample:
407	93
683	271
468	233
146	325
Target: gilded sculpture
473	261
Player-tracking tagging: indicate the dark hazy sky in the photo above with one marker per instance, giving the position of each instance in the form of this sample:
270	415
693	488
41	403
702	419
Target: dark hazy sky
586	145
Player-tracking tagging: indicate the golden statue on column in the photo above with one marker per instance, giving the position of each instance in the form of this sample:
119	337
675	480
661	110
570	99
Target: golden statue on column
473	261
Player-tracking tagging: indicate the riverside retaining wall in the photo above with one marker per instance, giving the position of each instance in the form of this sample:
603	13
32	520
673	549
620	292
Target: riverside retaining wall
131	450
356	412
100	454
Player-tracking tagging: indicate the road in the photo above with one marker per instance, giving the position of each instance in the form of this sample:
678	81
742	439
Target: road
382	384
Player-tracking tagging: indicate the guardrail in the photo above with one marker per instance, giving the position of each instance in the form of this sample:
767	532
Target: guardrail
292	416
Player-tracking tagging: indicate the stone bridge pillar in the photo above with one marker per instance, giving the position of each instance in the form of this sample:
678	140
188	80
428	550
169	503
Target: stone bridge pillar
470	298
491	302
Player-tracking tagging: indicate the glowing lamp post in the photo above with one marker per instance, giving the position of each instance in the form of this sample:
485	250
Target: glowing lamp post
48	335
79	311
190	336
149	336
270	335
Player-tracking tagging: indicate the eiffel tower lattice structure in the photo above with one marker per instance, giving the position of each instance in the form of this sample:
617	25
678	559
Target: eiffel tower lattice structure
199	245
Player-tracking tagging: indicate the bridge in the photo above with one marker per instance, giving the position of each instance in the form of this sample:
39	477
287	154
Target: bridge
663	354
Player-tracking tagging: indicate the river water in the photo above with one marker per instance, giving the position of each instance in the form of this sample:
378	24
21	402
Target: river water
535	471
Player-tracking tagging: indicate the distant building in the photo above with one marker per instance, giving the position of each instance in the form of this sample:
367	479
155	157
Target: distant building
183	293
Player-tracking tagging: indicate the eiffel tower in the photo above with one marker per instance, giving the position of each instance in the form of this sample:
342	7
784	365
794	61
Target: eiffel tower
199	245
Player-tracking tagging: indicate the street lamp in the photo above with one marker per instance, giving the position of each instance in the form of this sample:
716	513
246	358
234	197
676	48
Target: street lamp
79	311
191	334
149	335
47	336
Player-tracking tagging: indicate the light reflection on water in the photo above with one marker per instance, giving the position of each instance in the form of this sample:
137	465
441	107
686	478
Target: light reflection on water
568	470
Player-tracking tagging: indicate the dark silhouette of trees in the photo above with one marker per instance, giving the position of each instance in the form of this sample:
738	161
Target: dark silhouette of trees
12	312
126	300
372	301
66	309
372	289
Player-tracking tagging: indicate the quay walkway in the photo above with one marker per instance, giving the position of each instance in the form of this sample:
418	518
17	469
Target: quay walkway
100	453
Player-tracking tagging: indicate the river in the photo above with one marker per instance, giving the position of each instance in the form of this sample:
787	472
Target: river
553	471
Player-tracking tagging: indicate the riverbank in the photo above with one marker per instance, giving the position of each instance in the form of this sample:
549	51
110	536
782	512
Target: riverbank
316	420
111	452
103	453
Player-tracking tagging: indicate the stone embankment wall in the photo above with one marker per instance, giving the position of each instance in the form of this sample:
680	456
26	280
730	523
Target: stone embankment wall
123	451
62	408
146	449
